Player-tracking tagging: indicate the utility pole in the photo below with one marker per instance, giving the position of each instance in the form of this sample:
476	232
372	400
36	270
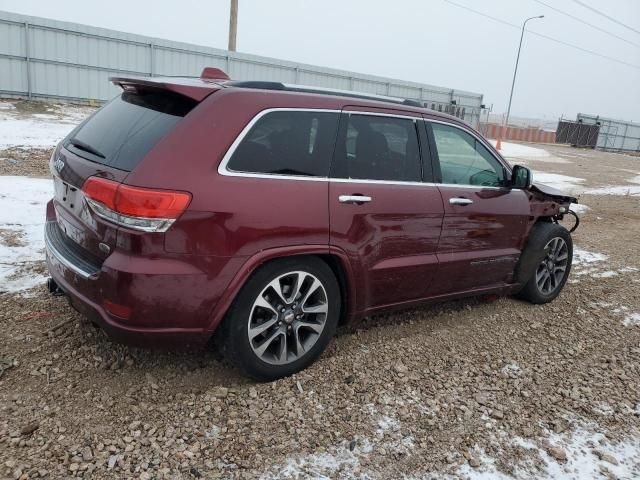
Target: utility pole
233	25
513	83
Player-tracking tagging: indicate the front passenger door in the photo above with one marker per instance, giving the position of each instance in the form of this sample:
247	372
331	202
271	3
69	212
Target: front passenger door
485	221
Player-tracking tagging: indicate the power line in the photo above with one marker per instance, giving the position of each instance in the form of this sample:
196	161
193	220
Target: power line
567	44
606	16
587	23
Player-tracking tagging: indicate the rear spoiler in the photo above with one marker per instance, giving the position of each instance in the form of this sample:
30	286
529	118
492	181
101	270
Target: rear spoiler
195	88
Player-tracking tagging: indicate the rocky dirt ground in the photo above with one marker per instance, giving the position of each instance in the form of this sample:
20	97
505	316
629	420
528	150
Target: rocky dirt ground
466	389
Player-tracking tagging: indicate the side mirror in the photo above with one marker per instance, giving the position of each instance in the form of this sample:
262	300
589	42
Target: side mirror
521	177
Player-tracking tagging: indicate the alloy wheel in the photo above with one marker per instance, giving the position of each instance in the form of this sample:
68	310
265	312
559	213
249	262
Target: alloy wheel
553	268
287	317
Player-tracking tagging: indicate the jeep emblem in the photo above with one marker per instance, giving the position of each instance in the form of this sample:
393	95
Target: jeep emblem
59	164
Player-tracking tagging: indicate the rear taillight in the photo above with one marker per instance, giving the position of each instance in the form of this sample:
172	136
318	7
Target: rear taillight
139	208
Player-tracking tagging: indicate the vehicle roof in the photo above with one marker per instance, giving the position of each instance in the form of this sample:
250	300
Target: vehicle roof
198	89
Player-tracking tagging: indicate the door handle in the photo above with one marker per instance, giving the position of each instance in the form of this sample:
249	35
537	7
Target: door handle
460	201
354	199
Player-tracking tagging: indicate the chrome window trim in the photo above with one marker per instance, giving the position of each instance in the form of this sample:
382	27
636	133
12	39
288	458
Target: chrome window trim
379	182
223	168
476	187
225	171
410	116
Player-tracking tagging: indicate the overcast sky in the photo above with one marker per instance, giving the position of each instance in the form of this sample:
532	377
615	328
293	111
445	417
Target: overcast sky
428	41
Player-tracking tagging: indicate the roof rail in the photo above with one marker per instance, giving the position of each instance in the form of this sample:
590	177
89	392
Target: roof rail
323	91
256	84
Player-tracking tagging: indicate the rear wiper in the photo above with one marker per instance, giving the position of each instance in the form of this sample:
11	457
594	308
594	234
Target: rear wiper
79	144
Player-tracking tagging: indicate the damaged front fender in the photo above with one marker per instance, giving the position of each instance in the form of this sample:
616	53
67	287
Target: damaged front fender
552	203
553	193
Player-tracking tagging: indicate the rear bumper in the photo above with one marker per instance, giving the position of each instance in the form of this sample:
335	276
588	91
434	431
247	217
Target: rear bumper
135	337
169	302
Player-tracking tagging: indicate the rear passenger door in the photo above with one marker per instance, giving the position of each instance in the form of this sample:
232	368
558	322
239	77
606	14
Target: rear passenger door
381	213
485	220
274	183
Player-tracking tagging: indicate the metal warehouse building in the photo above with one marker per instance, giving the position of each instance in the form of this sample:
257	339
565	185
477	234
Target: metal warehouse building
44	58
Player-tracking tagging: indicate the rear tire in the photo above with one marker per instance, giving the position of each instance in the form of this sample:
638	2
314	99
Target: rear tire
550	275
282	319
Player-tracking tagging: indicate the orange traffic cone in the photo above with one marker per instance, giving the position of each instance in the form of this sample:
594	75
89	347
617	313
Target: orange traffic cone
499	144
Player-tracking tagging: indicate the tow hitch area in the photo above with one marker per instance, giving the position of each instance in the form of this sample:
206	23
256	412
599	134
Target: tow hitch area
53	287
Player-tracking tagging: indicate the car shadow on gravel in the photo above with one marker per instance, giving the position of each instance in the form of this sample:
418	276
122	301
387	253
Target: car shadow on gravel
62	332
62	336
429	314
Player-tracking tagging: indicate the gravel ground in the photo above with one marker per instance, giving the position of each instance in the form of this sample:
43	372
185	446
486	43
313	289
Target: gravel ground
467	389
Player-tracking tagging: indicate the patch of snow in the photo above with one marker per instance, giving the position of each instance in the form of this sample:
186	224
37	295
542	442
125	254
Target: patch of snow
574	155
588	454
635	179
7	106
45	116
601	304
624	190
386	424
343	460
584	257
550	159
588	263
604	409
22	215
632	320
512	370
39	130
579	208
605	274
524	152
517	150
564	183
628	269
32	133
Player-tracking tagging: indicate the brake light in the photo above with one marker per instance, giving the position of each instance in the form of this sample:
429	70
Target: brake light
135	207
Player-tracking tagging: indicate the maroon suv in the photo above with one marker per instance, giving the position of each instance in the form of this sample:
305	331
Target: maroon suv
268	214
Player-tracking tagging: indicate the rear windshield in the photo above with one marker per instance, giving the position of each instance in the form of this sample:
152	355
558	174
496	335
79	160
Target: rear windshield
122	132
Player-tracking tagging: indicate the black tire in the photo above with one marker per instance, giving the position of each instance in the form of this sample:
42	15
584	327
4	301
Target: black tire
535	253
234	336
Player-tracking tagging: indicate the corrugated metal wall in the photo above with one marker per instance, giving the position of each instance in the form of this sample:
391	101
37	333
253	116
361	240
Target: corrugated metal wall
614	135
46	58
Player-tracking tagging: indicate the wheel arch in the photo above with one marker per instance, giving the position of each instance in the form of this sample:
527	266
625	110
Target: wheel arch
334	257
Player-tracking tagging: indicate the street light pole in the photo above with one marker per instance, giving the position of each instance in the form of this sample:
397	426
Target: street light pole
513	83
233	25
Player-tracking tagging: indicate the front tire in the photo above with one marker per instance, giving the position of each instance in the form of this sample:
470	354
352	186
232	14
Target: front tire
283	318
550	275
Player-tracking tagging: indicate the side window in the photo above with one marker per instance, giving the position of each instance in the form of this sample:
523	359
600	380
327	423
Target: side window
464	160
288	143
378	148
